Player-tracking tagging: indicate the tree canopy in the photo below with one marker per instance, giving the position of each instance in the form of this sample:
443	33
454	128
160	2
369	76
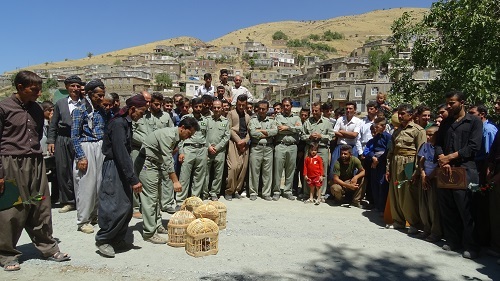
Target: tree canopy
280	35
163	80
458	37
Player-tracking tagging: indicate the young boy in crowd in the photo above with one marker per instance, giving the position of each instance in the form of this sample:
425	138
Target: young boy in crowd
376	156
428	205
314	173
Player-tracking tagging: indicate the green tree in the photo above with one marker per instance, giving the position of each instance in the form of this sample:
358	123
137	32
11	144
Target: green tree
315	37
90	55
163	80
280	35
330	36
459	38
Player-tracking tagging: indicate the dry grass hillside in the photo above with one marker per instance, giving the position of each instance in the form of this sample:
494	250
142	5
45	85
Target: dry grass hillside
356	28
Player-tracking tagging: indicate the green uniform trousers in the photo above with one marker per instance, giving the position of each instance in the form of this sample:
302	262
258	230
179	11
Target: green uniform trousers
151	178
429	209
167	192
261	163
284	159
136	199
217	162
193	172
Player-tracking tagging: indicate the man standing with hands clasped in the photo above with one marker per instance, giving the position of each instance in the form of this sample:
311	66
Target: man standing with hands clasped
458	140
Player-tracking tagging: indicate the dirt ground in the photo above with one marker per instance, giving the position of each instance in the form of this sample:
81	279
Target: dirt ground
284	240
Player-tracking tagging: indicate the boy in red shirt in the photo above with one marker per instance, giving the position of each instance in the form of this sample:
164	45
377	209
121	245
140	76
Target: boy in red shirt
313	173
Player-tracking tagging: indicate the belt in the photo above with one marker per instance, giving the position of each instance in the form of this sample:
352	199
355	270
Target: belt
195	145
262	144
405	152
154	161
287	144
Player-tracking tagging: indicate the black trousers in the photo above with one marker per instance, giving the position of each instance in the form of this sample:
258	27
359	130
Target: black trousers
65	155
456	218
115	204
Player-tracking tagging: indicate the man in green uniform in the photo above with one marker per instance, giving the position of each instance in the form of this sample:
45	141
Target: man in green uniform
154	120
193	156
217	138
406	141
285	153
318	129
262	132
156	159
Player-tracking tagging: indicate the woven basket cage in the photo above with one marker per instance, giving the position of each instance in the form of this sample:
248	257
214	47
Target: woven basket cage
207	211
202	238
221	207
191	203
177	226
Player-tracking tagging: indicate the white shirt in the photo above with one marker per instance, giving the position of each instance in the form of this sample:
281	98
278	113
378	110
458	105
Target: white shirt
73	104
204	91
349	126
365	134
240	91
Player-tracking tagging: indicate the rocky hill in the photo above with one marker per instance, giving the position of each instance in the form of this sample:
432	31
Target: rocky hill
357	29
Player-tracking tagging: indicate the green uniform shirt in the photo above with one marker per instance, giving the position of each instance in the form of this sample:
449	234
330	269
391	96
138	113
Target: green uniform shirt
293	133
218	132
346	171
199	137
408	139
322	126
158	146
267	124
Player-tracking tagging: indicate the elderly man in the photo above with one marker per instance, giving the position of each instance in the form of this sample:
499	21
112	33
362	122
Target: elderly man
238	90
22	171
262	132
318	129
285	153
87	133
458	141
406	142
59	141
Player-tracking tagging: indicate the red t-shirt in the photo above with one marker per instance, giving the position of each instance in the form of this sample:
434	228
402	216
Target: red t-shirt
313	166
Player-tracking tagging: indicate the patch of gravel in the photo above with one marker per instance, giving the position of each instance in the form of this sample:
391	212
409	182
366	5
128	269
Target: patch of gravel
284	240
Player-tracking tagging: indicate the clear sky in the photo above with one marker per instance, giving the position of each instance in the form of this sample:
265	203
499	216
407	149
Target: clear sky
34	32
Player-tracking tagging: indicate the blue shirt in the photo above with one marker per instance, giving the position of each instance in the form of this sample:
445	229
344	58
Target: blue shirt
378	146
427	152
489	132
87	127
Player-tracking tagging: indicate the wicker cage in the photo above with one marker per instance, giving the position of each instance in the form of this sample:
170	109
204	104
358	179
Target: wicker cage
177	226
221	207
191	203
207	211
202	238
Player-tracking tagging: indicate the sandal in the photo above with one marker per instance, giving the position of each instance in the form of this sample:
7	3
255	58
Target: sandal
59	257
309	201
12	266
317	202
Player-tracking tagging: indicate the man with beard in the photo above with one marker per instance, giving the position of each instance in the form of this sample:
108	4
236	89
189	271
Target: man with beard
347	175
237	157
458	141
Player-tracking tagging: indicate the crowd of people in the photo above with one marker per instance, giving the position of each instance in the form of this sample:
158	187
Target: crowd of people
113	163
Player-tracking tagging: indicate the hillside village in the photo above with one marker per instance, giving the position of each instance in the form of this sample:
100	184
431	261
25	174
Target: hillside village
271	71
